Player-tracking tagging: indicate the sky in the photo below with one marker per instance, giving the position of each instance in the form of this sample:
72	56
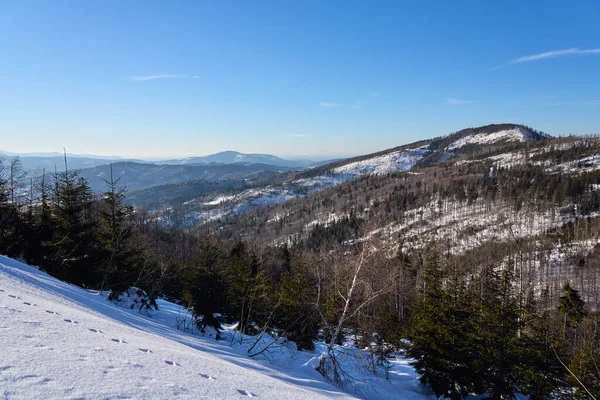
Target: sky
315	79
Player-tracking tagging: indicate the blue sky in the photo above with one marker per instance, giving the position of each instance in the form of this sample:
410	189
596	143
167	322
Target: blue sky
293	78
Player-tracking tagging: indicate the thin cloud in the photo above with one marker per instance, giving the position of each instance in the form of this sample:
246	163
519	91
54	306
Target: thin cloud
160	76
359	103
550	54
541	105
362	103
456	102
554	54
300	135
328	104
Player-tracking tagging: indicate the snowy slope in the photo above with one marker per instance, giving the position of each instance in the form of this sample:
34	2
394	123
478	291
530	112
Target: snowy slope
59	341
248	199
509	135
385	164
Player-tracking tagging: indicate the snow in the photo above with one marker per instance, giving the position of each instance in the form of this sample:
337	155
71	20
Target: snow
60	341
385	164
510	135
584	164
218	200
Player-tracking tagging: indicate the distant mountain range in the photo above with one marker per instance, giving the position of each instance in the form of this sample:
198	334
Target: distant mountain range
136	175
234	157
49	161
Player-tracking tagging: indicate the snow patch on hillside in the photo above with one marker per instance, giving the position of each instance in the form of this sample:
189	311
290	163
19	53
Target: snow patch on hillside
510	135
385	164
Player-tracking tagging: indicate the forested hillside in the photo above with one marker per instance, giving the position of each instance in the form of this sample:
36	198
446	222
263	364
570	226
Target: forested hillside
476	254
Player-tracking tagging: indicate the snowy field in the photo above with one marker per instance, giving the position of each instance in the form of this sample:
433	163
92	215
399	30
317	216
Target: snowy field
61	342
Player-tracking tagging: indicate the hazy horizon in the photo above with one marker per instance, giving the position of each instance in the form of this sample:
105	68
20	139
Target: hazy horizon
167	157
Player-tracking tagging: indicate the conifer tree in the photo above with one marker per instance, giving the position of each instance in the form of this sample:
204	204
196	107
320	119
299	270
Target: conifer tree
246	285
539	372
117	252
497	329
439	335
73	243
296	316
207	288
571	306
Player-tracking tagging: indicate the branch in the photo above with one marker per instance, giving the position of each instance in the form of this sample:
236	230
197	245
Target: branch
572	374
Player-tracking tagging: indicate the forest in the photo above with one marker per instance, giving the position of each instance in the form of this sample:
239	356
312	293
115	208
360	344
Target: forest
493	318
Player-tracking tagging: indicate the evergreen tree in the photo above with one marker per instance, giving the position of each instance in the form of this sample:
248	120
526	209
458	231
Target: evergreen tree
539	372
571	306
497	327
118	254
296	316
207	288
440	340
246	286
73	243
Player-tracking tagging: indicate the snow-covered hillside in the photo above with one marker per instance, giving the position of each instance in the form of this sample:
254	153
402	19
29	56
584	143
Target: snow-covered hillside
385	164
517	134
400	159
248	199
60	341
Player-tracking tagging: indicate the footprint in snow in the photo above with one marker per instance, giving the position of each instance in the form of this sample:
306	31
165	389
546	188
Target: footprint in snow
146	350
26	303
119	341
210	378
12	296
4	368
95	330
52	312
173	363
70	321
11	309
22	378
246	393
133	364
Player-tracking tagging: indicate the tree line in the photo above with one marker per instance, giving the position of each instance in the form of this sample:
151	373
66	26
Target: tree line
471	328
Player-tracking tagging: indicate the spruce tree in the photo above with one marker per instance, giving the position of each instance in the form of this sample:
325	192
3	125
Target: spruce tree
118	254
73	244
207	288
296	316
571	306
440	340
539	372
497	330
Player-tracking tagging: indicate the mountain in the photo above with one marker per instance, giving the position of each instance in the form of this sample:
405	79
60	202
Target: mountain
50	162
234	157
471	142
136	175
